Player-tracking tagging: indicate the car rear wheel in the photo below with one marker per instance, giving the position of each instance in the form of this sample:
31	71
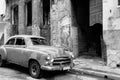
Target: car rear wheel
34	69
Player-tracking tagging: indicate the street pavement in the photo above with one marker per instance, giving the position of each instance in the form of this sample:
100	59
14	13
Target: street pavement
15	72
95	67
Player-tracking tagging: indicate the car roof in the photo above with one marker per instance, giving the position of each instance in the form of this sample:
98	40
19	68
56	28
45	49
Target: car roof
26	36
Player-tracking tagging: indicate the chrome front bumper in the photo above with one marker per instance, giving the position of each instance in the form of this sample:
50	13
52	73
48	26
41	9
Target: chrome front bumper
53	68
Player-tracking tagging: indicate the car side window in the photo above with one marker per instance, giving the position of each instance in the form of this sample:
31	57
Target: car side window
20	41
11	41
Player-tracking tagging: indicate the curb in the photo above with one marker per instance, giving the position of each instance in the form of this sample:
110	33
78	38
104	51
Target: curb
97	73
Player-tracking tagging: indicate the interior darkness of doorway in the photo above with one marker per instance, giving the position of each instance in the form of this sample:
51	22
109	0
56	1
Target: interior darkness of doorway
91	35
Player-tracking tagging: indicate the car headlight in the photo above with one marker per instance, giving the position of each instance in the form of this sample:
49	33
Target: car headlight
48	58
48	61
72	55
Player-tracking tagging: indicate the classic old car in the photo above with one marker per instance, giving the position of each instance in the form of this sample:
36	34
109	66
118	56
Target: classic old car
34	53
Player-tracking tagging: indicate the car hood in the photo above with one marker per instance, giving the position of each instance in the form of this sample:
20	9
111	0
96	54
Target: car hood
49	50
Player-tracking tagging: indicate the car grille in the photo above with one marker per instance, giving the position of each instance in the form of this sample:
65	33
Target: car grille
61	61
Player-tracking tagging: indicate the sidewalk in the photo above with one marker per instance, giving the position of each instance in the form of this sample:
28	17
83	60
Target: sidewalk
95	67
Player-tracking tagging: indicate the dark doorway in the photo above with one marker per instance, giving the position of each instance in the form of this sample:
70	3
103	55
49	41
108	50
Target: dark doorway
89	37
94	39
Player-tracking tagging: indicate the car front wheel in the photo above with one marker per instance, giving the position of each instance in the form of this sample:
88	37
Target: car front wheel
34	69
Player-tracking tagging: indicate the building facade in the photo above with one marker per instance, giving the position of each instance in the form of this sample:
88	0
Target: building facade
26	17
87	28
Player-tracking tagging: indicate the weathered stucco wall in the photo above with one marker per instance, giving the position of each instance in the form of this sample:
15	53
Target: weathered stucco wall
60	19
9	29
111	31
37	16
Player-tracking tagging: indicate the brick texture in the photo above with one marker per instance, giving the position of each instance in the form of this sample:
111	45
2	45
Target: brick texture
95	11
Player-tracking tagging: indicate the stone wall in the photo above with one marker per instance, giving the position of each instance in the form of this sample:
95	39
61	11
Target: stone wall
111	31
60	18
7	19
112	40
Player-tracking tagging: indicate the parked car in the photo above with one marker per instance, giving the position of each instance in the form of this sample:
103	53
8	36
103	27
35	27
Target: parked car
34	53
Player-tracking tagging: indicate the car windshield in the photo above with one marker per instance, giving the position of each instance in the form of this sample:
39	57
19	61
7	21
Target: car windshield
38	41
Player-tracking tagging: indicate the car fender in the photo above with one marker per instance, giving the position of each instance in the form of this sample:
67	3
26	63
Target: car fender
3	52
38	57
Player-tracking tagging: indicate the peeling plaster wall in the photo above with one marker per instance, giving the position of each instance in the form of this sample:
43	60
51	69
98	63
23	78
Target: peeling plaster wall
10	30
60	19
111	31
37	16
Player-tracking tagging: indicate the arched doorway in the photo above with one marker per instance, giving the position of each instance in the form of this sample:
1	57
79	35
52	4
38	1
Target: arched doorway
88	18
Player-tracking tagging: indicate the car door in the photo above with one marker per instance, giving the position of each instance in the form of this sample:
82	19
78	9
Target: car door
20	47
9	46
